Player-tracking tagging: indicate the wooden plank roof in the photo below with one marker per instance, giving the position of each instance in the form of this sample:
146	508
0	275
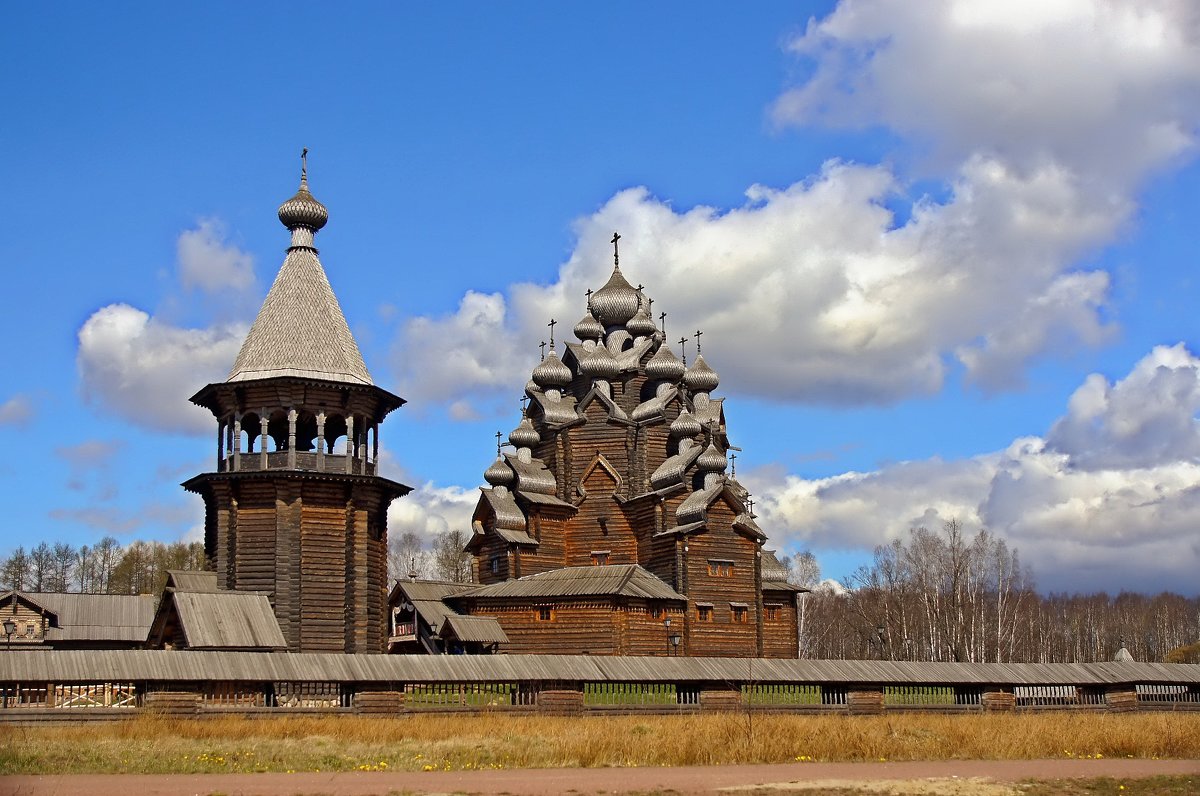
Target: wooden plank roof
97	617
624	580
78	666
228	620
481	629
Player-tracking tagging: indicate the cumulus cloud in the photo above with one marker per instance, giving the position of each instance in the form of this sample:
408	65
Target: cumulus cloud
208	263
142	369
179	517
430	510
1039	121
1109	498
16	411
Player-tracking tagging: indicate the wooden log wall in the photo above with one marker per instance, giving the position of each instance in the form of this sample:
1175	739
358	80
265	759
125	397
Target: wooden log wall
865	700
779	634
578	627
721	543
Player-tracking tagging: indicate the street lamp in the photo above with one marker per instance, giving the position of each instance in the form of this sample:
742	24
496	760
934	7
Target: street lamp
667	627
10	627
675	643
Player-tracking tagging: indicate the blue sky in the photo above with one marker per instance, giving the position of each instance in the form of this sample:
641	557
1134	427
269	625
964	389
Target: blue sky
942	253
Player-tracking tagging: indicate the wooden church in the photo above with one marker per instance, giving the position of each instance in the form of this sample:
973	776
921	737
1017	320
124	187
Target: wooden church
613	526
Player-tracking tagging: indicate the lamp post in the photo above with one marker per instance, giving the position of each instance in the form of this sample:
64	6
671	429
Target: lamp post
10	627
675	643
667	627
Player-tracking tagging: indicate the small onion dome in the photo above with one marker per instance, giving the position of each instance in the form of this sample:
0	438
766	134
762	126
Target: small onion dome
700	377
599	363
712	460
686	425
588	327
640	325
532	386
524	435
616	302
551	372
499	474
664	365
302	210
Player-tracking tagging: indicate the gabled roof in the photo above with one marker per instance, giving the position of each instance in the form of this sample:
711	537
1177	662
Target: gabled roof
300	330
426	597
672	470
226	620
558	411
655	406
481	629
191	580
97	617
617	580
31	602
532	475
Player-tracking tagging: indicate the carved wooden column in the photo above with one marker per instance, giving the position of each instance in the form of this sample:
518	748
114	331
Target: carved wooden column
291	457
350	443
237	443
321	441
263	442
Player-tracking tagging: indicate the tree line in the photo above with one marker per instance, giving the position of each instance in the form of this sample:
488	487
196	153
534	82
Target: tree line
946	596
107	567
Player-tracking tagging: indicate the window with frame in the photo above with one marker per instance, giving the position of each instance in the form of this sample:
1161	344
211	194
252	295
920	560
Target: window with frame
741	613
656	612
495	565
599	558
771	612
720	569
704	613
545	613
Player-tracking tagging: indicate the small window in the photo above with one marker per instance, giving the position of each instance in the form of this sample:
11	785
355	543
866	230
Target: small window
495	565
29	629
720	569
740	613
656	612
703	613
545	614
771	613
599	558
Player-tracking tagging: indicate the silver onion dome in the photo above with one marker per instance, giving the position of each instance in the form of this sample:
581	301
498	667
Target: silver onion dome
551	372
686	425
599	363
712	460
700	377
589	328
664	365
640	325
616	302
524	435
499	474
302	210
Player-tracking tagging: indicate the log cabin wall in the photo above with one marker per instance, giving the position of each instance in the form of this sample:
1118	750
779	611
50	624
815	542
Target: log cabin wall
709	582
600	523
642	631
780	638
575	627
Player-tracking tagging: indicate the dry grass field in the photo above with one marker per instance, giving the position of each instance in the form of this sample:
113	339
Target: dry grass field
296	743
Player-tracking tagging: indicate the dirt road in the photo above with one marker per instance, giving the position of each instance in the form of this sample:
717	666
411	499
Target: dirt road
949	778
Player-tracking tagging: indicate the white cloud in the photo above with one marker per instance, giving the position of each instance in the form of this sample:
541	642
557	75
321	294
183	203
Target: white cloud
144	370
1109	499
430	510
1039	120
16	411
206	262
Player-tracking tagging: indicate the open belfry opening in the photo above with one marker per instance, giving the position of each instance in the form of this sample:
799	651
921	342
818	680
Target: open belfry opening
296	509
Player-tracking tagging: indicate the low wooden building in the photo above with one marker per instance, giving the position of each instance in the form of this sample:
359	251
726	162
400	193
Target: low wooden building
51	620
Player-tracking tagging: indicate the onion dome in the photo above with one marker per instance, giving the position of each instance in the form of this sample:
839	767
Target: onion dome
599	363
700	377
302	210
712	460
499	474
640	325
616	302
551	372
664	365
686	425
524	435
589	328
532	386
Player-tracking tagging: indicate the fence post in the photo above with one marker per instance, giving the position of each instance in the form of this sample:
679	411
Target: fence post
865	700
717	697
1121	698
995	699
561	698
377	702
172	703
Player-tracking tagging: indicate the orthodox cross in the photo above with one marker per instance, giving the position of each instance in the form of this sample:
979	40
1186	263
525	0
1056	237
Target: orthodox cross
733	465
697	336
589	295
498	445
304	164
750	503
683	348
542	346
650	307
551	325
524	398
663	318
616	253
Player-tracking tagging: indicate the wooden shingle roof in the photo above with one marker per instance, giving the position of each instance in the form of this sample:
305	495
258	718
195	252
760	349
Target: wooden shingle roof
617	580
228	620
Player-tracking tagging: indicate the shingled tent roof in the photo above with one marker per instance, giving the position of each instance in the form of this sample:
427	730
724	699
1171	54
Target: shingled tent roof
300	329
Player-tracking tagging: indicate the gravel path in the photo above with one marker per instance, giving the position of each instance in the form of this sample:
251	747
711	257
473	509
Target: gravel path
966	777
